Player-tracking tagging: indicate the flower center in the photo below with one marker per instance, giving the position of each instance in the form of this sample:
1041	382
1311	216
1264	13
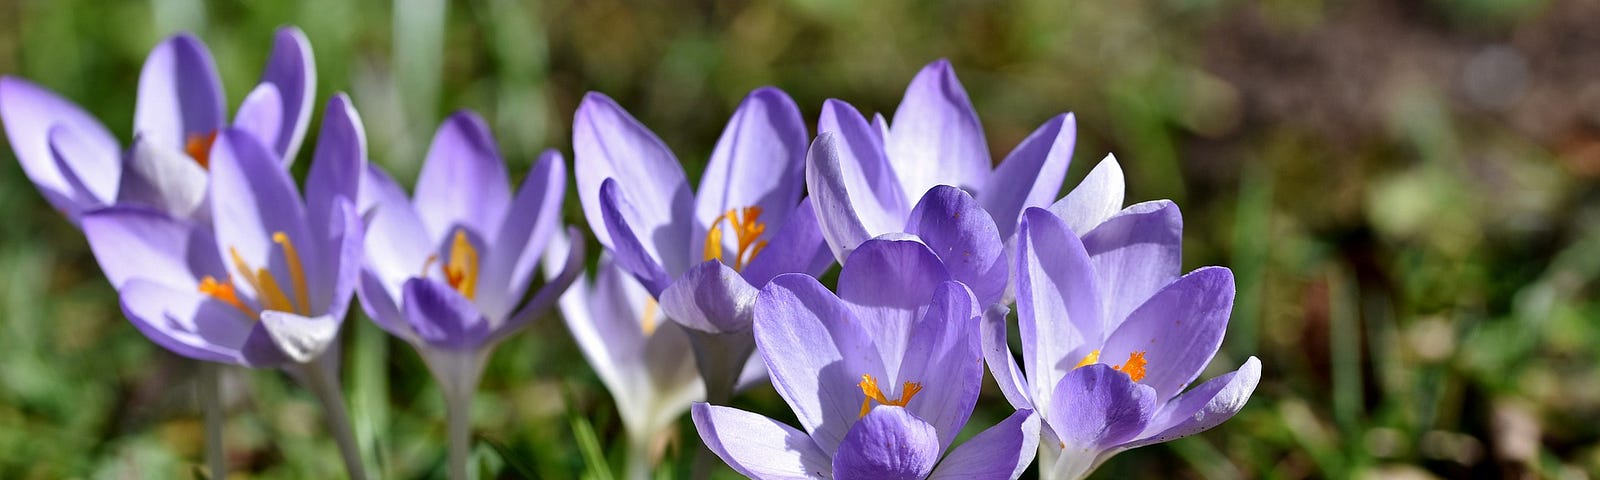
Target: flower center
648	322
268	290
199	147
461	270
869	387
746	229
1134	367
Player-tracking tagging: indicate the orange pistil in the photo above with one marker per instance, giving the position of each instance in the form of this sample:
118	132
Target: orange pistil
461	269
199	147
224	292
746	229
869	387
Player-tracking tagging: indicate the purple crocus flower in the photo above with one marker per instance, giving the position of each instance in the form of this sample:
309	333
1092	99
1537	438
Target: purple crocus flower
702	255
881	377
79	166
268	282
881	170
1106	380
643	359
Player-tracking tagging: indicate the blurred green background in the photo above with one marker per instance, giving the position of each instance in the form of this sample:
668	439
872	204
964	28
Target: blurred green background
1406	190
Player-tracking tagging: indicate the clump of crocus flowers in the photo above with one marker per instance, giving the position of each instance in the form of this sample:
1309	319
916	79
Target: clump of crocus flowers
699	294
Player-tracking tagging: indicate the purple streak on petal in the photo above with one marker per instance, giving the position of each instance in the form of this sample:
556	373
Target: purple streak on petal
534	216
442	317
888	444
132	242
261	114
551	292
711	297
936	138
185	321
1135	253
463	182
1096	407
797	247
758	447
382	308
816	350
29	112
1179	330
1031	175
945	357
163	179
397	243
1202	408
83	167
1095	199
180	93
1058	306
291	69
631	253
1002	363
859	170
607	142
252	197
759	161
888	284
1002	451
957	228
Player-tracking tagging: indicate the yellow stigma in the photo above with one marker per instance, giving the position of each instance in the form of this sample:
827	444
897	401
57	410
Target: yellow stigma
747	227
461	271
648	322
869	387
268	292
1134	367
198	146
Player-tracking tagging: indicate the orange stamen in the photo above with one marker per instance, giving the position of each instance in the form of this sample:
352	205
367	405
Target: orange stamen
198	146
224	292
869	387
747	229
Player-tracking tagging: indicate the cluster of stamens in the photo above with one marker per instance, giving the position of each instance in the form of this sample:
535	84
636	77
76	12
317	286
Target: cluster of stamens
461	270
747	228
198	146
1134	367
268	291
869	387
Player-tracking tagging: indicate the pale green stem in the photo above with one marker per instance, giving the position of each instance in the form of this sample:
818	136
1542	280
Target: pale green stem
210	390
458	422
320	376
638	466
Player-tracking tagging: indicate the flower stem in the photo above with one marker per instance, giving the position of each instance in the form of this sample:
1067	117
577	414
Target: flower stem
720	357
210	391
638	465
458	421
321	377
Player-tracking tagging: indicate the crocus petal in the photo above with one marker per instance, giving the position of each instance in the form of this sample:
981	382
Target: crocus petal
880	126
758	162
1178	330
607	142
797	247
382	308
535	215
620	215
185	321
1031	175
132	242
817	352
1095	199
1204	407
946	360
957	228
550	293
29	113
1058	306
1135	253
936	138
397	243
163	179
858	194
1002	451
1095	407
463	182
261	113
252	198
84	167
291	70
889	444
180	94
302	339
442	317
339	162
756	446
888	284
711	297
1002	364
340	268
